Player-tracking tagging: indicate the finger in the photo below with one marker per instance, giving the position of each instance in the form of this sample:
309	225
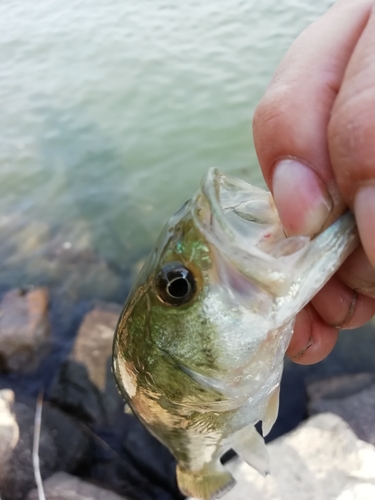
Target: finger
358	273
341	307
351	136
313	339
291	121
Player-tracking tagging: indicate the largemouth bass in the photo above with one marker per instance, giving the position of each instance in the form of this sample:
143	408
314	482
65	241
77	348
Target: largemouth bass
199	347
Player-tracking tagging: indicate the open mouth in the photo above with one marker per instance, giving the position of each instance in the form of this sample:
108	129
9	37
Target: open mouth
242	222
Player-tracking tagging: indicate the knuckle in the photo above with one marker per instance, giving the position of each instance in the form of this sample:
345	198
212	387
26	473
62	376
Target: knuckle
350	138
273	111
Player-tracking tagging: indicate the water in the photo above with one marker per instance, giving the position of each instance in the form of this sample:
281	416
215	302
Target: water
112	112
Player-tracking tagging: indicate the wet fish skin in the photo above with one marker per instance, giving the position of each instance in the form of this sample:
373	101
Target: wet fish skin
198	350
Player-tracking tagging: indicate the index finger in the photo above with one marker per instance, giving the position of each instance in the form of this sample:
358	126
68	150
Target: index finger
352	136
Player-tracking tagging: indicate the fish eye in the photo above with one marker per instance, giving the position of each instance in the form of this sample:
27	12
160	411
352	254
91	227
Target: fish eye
175	284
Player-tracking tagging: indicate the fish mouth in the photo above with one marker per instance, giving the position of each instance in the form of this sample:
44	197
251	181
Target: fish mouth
242	223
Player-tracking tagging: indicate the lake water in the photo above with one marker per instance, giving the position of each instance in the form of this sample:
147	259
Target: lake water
112	111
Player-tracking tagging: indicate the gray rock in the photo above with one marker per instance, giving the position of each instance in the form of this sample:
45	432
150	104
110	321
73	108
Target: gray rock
321	460
352	397
93	344
24	329
9	431
63	446
62	486
339	387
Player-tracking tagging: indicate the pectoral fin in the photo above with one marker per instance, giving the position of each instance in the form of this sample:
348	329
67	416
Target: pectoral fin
272	411
251	447
206	484
128	410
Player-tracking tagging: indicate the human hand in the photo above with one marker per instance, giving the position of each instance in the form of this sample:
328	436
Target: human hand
314	133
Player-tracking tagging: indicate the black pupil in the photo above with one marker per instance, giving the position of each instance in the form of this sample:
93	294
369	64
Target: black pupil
175	284
178	288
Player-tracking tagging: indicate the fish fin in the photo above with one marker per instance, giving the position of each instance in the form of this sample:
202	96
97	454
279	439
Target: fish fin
251	447
128	410
272	412
206	484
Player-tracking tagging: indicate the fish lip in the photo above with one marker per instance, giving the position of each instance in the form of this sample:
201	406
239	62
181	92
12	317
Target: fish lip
209	206
212	187
242	222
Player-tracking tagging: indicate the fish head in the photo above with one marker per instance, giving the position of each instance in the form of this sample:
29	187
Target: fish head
203	304
217	296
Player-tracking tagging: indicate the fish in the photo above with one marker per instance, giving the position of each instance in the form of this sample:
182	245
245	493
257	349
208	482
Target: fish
199	347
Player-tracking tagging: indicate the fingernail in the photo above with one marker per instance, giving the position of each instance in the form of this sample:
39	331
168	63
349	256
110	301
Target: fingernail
301	198
364	209
304	350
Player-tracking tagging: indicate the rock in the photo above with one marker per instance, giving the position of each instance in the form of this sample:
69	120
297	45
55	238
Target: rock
85	385
352	397
21	238
125	456
69	260
62	486
73	392
24	329
93	344
129	460
63	257
157	462
9	431
320	460
339	387
63	446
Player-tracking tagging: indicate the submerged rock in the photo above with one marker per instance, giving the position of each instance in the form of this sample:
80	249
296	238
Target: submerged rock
24	329
64	445
321	460
352	397
62	486
62	256
21	238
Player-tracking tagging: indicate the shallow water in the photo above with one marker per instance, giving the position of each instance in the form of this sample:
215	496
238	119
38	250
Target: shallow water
112	112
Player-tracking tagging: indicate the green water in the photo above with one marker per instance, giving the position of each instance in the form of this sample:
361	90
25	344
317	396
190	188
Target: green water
112	111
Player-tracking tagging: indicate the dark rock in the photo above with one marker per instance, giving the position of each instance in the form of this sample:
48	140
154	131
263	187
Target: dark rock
63	445
352	397
73	391
85	386
62	486
149	455
126	475
24	329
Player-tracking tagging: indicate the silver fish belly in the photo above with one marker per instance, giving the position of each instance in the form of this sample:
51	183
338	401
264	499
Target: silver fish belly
199	348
